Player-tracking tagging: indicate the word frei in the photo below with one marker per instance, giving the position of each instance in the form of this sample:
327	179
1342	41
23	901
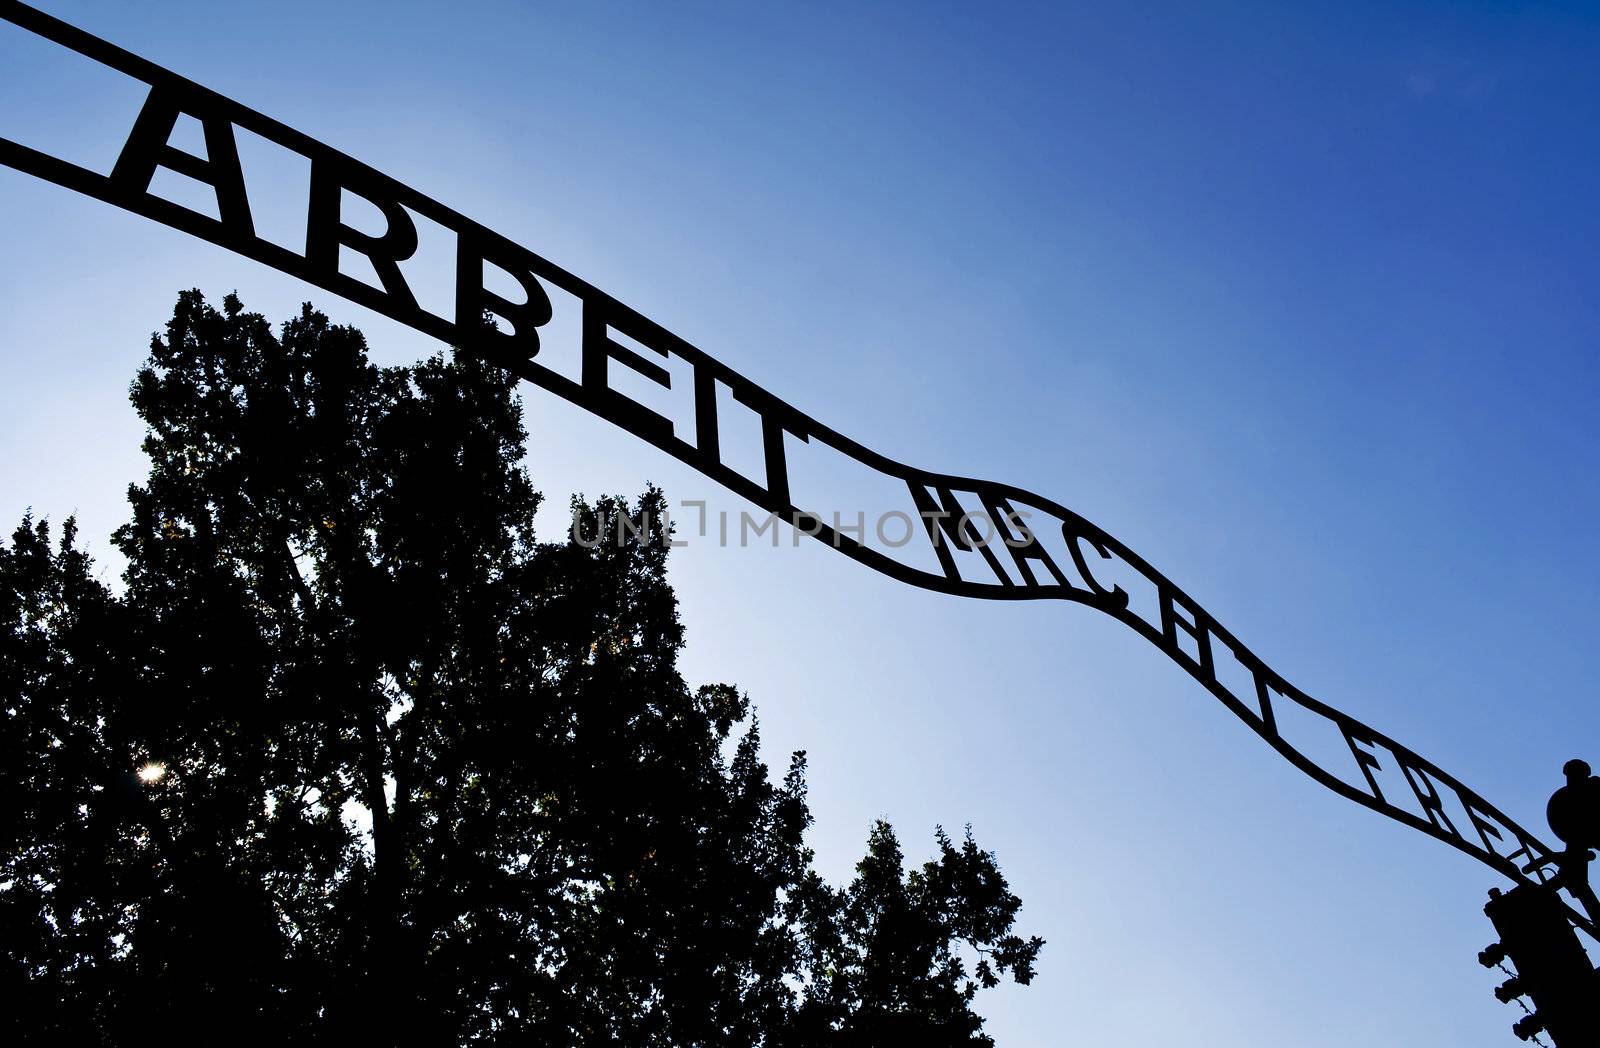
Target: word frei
987	540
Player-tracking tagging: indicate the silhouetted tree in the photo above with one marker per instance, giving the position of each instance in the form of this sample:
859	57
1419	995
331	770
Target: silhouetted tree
352	758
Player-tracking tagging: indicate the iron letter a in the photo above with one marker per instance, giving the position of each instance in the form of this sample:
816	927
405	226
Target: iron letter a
149	146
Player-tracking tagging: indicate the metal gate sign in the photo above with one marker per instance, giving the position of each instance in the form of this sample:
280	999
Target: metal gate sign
987	540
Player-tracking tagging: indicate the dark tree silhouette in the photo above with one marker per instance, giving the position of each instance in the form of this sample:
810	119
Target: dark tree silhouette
351	758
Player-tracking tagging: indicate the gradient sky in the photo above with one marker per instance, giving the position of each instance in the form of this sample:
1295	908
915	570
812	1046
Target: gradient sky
1297	303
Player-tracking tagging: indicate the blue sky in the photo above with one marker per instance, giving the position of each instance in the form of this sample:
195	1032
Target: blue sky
1297	303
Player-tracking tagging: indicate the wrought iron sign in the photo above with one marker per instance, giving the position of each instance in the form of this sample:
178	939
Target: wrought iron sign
1045	551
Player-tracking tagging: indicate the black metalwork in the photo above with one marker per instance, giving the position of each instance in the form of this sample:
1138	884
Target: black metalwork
1096	570
1574	816
1552	970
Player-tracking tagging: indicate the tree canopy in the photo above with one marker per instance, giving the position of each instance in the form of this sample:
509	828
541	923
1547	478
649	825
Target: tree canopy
351	756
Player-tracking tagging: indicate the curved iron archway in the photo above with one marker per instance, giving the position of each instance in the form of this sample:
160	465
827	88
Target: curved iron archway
1091	570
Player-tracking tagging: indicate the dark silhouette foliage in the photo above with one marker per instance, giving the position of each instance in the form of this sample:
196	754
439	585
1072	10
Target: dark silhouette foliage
352	758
